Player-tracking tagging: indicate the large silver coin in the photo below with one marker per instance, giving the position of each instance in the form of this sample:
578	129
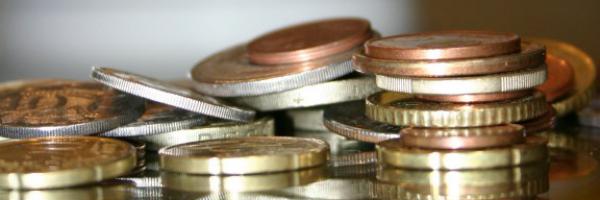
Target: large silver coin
307	119
158	118
349	120
213	129
331	92
170	94
36	108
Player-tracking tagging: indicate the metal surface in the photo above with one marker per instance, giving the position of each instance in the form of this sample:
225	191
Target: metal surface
170	94
309	119
560	79
463	138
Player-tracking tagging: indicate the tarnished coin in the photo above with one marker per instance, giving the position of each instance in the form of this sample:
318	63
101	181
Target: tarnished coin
170	94
36	108
396	153
560	79
255	154
463	138
307	41
54	162
213	129
157	118
307	119
330	92
349	120
403	110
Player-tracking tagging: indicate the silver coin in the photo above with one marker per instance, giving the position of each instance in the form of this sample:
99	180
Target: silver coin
590	116
158	118
246	79
331	92
36	108
349	120
170	94
308	119
213	129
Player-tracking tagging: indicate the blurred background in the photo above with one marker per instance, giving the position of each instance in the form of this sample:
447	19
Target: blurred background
164	39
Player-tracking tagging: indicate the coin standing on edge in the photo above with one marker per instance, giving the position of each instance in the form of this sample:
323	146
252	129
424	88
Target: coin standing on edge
168	93
54	162
463	138
37	108
247	155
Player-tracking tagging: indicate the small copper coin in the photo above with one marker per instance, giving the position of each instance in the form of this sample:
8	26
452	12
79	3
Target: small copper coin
542	123
561	78
443	45
463	138
477	98
308	41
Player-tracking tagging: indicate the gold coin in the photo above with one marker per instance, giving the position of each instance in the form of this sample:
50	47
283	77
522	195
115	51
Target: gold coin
402	110
241	183
585	74
247	155
395	153
53	162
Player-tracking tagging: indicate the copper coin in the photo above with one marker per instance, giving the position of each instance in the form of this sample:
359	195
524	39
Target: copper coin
308	41
477	98
443	45
542	123
561	78
463	138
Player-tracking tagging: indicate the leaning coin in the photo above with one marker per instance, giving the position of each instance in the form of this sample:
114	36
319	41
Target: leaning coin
247	155
158	118
213	129
349	120
36	108
54	162
167	93
330	92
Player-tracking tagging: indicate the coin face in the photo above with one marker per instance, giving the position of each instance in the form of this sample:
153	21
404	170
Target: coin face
443	45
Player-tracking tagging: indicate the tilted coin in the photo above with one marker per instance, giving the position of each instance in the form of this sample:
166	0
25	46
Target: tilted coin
585	74
330	92
299	43
503	82
157	118
309	119
108	191
241	183
403	110
349	120
213	129
255	154
463	138
170	94
477	98
36	108
531	54
54	162
443	45
396	153
560	79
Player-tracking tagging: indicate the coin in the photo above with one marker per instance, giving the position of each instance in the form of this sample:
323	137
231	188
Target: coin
54	162
396	153
560	78
241	183
256	154
349	120
463	138
213	129
477	98
36	108
170	94
338	145
307	41
308	119
402	110
540	124
230	74
503	82
157	118
531	54
330	92
332	188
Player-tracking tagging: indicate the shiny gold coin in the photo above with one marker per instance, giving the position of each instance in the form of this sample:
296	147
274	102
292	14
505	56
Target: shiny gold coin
241	183
585	74
395	153
402	110
248	155
54	162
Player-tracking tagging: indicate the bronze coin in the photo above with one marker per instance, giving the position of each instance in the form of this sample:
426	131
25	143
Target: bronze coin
463	138
542	123
308	41
561	78
477	98
443	45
